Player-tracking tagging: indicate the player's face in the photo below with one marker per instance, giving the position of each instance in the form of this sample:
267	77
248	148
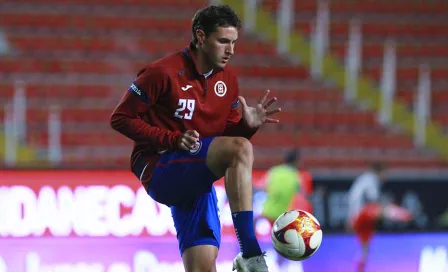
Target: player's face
220	45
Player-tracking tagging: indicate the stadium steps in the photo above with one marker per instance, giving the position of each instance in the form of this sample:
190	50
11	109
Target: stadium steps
110	67
42	92
102	54
266	158
139	3
334	71
91	44
420	33
395	7
419	28
347	140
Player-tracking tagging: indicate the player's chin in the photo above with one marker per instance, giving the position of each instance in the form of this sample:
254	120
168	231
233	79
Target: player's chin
221	64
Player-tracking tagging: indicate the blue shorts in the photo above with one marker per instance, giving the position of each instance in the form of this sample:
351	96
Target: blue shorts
182	181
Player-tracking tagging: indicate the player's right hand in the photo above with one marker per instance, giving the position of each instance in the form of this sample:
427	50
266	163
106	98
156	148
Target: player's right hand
188	140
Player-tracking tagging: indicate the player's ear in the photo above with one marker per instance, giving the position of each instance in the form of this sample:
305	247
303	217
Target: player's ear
200	34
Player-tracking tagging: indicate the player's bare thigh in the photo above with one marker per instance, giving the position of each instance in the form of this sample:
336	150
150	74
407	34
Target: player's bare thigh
200	258
223	151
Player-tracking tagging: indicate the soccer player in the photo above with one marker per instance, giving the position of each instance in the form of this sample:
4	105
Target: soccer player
182	114
365	208
282	186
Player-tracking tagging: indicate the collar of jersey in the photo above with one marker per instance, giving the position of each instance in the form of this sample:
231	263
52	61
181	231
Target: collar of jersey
189	57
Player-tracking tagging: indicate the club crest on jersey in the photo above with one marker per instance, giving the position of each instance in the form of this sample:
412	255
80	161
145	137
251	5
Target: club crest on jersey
195	150
220	88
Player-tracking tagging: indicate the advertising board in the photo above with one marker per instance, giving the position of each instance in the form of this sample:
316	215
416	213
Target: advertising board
104	221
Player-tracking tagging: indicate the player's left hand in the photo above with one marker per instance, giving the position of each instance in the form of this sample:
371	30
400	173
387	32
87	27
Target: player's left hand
258	115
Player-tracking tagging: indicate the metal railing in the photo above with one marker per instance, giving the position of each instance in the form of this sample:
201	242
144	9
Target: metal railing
15	128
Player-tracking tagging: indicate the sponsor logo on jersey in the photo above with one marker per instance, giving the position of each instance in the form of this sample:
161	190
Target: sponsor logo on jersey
134	89
186	88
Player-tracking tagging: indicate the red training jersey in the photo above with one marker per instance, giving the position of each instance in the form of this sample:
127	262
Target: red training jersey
169	97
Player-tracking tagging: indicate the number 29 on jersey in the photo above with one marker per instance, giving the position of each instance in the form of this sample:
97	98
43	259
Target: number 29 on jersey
185	109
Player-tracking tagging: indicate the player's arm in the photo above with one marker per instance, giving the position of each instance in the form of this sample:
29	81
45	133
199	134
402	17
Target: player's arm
235	125
142	94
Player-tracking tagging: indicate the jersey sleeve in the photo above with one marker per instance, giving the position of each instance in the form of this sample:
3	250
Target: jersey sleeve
145	91
235	125
149	85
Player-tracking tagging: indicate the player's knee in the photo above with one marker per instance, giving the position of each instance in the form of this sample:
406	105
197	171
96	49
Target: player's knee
242	151
204	266
207	264
225	152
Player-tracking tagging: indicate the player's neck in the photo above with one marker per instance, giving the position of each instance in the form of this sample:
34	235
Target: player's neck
201	62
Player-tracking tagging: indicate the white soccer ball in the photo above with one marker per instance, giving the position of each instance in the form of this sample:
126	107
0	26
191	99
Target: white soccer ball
296	235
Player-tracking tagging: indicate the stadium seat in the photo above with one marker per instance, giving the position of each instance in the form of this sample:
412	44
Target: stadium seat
83	63
395	7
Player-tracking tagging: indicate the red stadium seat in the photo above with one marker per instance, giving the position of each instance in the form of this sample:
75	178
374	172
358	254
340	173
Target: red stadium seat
59	91
84	63
403	50
408	73
91	138
383	29
394	7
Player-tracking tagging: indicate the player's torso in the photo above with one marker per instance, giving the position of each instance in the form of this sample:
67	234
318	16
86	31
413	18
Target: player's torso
195	102
282	187
358	194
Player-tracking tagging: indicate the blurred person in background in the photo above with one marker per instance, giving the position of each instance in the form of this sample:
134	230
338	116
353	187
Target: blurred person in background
282	185
442	221
283	191
365	209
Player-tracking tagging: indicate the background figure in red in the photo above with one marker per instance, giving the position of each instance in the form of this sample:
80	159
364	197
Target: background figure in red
365	209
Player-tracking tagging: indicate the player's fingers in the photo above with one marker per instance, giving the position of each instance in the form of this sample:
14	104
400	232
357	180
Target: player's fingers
193	133
273	121
185	142
242	101
187	145
183	146
263	98
189	140
270	102
270	112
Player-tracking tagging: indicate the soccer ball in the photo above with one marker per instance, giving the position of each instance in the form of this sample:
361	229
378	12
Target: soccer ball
296	235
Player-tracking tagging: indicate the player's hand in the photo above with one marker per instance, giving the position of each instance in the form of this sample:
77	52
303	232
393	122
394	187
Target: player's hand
188	140
259	114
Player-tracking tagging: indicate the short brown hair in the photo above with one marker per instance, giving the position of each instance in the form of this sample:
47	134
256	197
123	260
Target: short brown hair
211	17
